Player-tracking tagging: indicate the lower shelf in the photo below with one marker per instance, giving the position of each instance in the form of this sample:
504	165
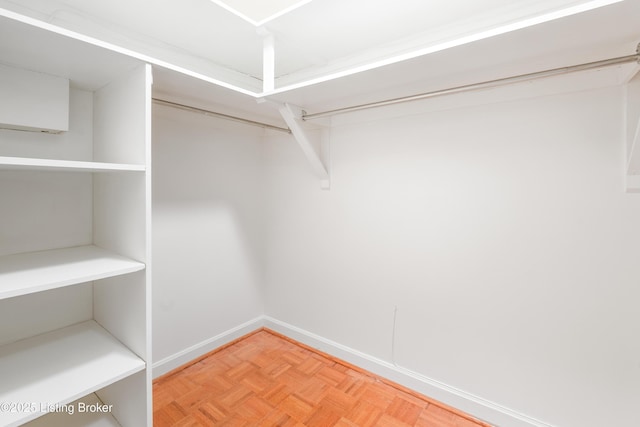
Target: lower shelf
81	413
41	373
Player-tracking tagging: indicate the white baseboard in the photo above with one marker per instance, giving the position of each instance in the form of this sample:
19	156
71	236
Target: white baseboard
185	356
482	409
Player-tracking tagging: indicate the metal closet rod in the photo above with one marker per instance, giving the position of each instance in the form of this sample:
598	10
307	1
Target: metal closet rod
482	85
219	115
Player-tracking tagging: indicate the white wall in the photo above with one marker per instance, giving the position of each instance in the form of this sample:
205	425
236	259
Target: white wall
207	229
500	232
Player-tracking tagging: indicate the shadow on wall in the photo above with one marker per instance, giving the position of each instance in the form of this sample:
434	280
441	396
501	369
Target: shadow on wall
206	229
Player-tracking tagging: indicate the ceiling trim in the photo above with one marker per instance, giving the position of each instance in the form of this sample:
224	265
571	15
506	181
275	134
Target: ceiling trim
495	31
118	49
261	22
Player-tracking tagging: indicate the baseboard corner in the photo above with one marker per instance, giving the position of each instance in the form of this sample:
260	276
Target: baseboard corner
197	351
475	406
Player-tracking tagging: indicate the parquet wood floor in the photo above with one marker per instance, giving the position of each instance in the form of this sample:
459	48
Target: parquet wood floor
267	380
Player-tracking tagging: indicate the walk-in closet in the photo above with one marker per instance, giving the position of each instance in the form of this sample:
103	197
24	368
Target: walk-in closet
437	198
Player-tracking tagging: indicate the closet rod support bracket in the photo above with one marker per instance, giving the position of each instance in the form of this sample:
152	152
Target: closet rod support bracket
309	141
632	169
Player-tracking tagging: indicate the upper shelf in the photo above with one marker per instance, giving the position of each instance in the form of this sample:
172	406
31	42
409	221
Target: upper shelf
27	273
25	163
89	67
59	367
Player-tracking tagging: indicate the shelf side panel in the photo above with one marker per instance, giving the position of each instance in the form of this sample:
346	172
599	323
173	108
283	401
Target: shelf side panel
119	214
148	242
119	124
122	206
119	306
128	398
119	226
121	133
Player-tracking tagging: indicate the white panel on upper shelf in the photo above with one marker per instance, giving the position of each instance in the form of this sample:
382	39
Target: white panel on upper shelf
26	273
33	101
27	163
60	367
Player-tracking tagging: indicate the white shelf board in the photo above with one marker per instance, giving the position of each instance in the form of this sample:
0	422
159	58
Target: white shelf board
65	418
60	367
31	272
25	163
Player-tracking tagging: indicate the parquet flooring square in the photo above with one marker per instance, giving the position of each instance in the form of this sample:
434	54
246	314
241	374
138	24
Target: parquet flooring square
293	378
268	380
389	421
210	411
338	401
352	386
322	417
254	409
193	399
404	410
277	418
241	370
189	421
276	394
313	390
310	366
379	394
343	422
169	414
296	407
275	368
365	414
256	381
331	376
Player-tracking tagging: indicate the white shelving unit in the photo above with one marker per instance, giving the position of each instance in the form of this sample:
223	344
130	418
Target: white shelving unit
75	273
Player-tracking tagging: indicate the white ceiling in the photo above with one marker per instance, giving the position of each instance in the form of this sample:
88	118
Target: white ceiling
332	52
